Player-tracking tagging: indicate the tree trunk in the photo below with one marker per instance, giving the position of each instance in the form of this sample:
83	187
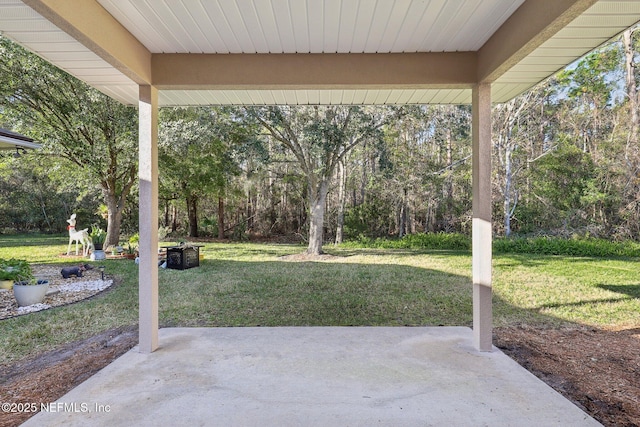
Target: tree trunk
317	201
192	205
342	175
114	219
174	218
363	183
632	92
449	181
402	220
303	209
115	203
113	225
508	178
250	208
430	219
220	218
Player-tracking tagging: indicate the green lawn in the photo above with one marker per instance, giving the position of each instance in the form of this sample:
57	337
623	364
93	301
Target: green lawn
245	284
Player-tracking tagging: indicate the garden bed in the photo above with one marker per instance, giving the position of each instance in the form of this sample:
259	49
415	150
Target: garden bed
61	291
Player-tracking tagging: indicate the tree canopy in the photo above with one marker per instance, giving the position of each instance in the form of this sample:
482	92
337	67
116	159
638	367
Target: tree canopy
86	129
566	160
319	138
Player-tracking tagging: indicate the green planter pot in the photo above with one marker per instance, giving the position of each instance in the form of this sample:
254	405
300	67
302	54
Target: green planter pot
6	284
30	294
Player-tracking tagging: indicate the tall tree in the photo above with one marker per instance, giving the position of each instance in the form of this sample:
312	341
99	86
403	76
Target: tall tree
515	124
631	187
342	197
586	91
75	122
631	85
198	156
319	137
564	183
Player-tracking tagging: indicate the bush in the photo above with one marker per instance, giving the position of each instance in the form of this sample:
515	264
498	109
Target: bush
443	241
15	270
368	219
587	247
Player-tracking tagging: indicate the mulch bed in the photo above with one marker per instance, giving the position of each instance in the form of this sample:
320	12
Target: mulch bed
598	370
49	376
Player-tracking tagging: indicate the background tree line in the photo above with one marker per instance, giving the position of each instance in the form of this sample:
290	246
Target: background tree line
566	160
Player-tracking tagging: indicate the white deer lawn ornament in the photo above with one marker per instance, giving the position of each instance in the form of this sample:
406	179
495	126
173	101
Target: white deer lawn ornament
81	237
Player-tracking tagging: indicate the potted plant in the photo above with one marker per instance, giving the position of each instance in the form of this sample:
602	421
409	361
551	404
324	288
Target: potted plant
132	247
26	288
98	236
130	252
11	270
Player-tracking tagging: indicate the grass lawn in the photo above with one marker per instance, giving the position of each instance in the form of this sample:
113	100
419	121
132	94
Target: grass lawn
245	284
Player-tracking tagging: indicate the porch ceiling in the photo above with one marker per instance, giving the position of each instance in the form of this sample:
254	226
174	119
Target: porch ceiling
313	51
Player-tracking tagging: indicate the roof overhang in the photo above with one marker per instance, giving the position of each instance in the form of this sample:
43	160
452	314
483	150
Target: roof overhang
313	51
11	140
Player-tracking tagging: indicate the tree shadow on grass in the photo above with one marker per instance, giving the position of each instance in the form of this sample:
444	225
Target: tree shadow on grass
344	252
631	290
309	293
516	260
582	303
22	240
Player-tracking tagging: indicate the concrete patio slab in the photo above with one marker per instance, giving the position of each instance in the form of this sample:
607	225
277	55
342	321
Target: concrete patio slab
314	376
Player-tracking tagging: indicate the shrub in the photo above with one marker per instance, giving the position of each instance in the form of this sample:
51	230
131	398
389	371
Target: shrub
444	241
587	247
15	269
369	218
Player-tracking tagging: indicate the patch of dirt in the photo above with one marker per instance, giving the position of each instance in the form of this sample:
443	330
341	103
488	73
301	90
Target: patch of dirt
306	257
49	376
598	370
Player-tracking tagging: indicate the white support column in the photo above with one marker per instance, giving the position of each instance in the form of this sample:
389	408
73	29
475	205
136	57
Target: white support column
148	228
482	256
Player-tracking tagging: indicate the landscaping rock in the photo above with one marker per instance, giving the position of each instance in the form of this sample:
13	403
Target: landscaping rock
61	291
